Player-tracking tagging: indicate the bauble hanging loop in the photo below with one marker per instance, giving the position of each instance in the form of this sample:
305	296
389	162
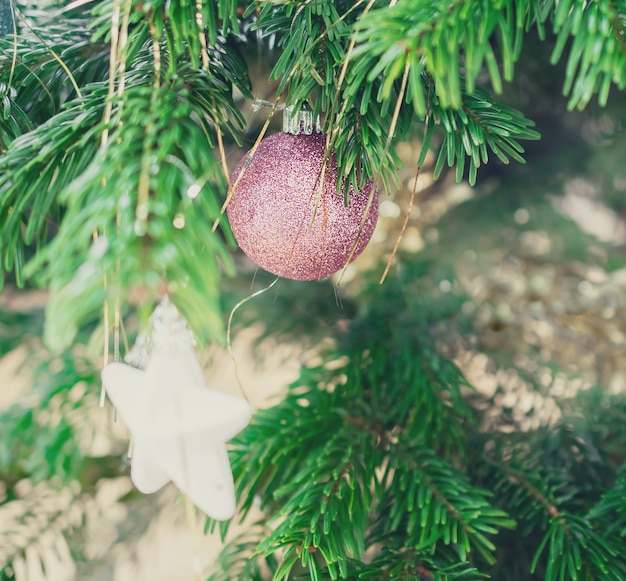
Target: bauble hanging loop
300	121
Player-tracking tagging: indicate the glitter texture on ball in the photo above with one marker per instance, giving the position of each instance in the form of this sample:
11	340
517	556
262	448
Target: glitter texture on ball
283	222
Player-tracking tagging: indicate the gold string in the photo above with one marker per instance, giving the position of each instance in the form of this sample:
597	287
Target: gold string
402	230
106	343
229	328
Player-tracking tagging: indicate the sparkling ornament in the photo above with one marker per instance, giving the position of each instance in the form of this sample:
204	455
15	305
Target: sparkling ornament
179	426
282	219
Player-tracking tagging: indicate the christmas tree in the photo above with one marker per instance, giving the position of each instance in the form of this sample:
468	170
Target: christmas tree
462	414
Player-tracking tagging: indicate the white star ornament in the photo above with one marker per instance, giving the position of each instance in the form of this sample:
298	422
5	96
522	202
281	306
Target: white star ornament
179	427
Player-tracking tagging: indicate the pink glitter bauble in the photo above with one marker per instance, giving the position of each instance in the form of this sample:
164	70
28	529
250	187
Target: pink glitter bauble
284	223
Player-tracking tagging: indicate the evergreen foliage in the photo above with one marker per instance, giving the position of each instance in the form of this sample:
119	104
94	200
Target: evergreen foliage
381	462
40	438
162	68
376	466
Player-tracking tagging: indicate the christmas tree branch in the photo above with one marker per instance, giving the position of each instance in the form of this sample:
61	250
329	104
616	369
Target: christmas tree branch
311	459
236	560
481	123
13	119
56	152
39	435
597	56
577	551
539	480
446	40
431	503
411	565
189	183
610	513
63	152
324	513
41	62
